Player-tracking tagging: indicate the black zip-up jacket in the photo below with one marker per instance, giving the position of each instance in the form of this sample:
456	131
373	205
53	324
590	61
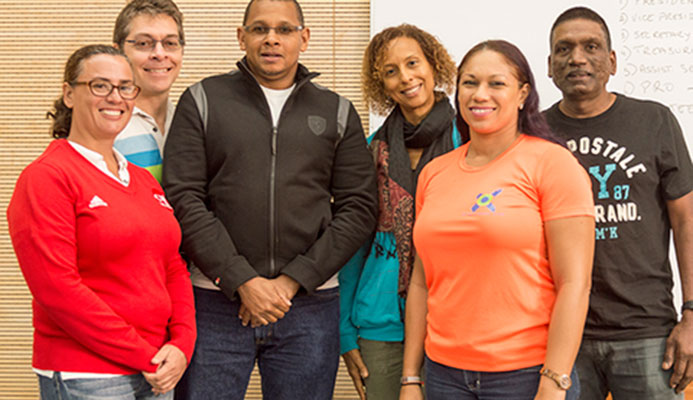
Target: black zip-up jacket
253	200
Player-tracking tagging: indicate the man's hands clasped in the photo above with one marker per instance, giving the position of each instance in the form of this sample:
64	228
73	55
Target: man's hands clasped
264	301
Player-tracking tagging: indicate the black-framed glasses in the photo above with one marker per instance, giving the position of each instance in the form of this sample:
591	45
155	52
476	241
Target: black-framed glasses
281	30
170	44
103	88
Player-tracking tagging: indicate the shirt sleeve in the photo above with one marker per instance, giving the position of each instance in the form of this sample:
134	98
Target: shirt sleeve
674	162
181	326
42	222
564	188
354	208
205	238
349	277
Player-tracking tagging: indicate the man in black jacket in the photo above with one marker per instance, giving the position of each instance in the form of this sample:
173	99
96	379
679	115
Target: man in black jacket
273	185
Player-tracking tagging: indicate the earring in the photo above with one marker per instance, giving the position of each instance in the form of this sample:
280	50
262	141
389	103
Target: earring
522	106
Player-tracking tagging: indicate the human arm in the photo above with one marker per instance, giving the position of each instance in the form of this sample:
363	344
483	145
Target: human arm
174	356
570	243
414	330
679	348
349	277
181	325
354	210
171	364
357	370
42	224
185	180
264	301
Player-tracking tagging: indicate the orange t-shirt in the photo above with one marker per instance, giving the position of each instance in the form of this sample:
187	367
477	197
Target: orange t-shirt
479	232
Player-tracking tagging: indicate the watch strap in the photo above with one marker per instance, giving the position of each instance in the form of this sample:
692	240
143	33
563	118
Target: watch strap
562	380
411	380
687	305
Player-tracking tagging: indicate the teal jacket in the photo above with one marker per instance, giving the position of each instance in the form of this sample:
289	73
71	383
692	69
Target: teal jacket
369	305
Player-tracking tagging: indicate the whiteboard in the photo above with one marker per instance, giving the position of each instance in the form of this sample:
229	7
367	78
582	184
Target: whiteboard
653	40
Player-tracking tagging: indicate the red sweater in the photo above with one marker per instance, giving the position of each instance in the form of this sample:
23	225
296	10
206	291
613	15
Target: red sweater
101	261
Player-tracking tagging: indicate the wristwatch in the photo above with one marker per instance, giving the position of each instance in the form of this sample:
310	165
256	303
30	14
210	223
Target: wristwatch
411	380
562	380
687	305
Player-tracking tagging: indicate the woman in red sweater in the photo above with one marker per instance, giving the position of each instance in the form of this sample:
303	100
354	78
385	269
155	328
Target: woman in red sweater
97	243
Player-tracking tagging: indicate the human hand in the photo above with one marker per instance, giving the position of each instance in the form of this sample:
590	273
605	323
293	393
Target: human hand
549	390
244	315
555	394
679	353
247	318
287	286
263	302
411	392
357	370
172	364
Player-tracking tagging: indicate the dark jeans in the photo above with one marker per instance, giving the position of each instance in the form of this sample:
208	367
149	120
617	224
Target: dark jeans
127	387
629	369
297	356
443	383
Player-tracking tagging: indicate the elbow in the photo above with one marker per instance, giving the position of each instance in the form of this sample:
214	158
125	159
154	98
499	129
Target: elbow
576	292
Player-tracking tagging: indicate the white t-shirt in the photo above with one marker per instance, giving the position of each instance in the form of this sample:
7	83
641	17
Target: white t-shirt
276	100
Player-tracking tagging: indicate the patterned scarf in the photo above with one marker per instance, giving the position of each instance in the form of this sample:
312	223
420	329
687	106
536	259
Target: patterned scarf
397	180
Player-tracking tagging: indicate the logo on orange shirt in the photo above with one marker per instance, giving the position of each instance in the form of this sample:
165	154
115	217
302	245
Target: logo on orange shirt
484	200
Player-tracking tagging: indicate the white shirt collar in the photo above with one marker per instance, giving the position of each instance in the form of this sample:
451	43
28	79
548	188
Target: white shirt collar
99	162
170	110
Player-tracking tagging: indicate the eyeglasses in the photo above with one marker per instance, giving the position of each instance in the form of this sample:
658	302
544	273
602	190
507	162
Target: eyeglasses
170	45
281	30
103	88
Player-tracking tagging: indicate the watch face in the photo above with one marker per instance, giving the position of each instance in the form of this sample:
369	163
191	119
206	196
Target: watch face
564	382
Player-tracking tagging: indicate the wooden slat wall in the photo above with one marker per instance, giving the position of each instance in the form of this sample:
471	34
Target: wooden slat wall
37	36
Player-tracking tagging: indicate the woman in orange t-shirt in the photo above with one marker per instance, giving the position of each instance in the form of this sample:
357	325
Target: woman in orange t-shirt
504	237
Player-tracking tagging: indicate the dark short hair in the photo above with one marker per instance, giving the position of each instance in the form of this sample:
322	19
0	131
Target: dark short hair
61	114
374	56
152	8
581	13
298	10
529	119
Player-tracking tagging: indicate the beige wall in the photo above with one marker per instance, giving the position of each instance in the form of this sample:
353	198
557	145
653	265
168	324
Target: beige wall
37	36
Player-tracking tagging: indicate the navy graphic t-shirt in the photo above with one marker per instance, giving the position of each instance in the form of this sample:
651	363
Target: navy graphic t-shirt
637	159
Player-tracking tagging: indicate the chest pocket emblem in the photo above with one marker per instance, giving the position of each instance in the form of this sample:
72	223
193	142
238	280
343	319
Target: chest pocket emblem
317	124
162	201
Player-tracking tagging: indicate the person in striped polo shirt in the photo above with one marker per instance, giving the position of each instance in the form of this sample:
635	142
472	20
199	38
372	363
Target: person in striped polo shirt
150	33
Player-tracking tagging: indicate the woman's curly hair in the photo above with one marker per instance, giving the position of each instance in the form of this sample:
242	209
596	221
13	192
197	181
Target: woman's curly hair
371	73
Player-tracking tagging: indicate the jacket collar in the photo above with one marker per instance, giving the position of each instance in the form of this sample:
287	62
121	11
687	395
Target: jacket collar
303	75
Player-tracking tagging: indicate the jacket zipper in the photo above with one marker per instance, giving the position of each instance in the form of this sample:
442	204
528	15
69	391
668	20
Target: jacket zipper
273	168
273	162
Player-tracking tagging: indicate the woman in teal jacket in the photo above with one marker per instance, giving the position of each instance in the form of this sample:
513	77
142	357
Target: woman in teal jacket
408	74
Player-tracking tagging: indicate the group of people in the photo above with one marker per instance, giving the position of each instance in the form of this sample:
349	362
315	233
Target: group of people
458	252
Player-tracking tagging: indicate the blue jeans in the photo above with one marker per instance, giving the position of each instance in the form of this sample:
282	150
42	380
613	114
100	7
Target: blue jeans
629	369
443	383
126	387
297	356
